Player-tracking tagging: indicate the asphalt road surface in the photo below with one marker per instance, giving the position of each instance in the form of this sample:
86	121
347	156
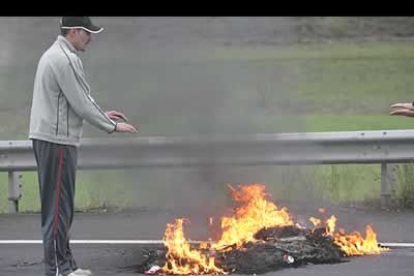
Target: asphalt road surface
123	259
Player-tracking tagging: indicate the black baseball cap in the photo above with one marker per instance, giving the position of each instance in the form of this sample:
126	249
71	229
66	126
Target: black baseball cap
79	22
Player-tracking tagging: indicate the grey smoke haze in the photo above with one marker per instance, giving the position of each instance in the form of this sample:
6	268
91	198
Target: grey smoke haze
166	76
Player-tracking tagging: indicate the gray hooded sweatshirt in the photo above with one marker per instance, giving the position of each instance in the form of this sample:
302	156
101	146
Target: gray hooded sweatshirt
61	98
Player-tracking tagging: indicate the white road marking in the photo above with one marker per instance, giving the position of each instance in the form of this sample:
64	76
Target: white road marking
9	242
396	244
90	242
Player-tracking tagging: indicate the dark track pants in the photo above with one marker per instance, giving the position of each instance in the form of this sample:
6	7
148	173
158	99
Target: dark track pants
56	172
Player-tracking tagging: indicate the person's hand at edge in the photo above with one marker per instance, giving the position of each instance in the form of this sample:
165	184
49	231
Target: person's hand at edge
402	109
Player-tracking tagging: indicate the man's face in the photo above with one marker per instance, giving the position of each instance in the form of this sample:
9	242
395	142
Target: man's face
81	39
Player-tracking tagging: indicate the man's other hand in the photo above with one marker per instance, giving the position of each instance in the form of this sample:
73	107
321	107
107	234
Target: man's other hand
116	115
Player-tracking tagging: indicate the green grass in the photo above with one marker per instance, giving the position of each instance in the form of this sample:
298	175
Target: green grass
309	87
338	183
333	50
323	123
94	189
404	185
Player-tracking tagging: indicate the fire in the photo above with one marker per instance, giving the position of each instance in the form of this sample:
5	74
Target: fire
316	222
330	225
354	244
181	259
254	213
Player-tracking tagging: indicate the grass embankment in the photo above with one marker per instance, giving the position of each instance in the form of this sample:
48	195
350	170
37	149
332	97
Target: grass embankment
329	87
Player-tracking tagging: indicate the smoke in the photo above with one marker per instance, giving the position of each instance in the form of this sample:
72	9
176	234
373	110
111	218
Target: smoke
175	76
169	77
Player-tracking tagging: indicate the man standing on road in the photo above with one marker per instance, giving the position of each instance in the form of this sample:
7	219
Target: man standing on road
61	102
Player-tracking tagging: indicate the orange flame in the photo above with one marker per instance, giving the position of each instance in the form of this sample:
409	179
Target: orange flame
355	245
181	259
316	222
330	225
254	213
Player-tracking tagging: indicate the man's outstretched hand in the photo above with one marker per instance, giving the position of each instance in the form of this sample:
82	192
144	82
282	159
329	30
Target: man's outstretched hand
402	109
124	127
121	127
116	115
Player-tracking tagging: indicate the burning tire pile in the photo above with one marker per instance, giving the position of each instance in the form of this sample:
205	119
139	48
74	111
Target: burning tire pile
258	238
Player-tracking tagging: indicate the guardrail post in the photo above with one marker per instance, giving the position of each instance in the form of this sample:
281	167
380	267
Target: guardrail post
387	181
15	184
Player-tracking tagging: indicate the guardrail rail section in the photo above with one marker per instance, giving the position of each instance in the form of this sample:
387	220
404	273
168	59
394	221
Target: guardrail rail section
385	147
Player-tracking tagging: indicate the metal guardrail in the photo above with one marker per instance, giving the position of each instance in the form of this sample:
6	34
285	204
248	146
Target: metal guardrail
350	147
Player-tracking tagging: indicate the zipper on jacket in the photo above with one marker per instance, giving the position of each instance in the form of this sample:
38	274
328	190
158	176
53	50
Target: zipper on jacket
57	119
67	120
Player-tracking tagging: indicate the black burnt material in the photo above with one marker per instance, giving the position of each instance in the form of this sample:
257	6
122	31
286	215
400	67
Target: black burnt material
276	248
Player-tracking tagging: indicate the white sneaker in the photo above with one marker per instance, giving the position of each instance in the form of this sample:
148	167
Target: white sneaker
70	274
81	272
